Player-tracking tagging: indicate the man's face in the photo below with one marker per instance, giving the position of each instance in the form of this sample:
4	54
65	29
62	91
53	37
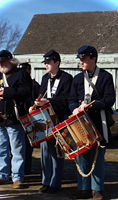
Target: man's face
51	66
5	66
87	63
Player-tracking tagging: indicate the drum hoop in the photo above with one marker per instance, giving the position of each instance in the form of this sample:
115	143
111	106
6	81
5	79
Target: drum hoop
36	111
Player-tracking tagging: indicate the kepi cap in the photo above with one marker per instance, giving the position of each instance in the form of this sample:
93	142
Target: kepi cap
85	51
5	55
25	65
51	55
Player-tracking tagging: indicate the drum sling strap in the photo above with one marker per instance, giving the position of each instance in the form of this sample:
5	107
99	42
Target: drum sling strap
49	95
54	88
92	87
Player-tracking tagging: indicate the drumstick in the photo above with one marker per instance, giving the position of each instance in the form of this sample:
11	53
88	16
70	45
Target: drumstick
89	104
38	99
85	107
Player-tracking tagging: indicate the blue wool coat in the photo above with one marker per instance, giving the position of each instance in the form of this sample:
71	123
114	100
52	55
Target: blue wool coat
19	89
60	100
105	88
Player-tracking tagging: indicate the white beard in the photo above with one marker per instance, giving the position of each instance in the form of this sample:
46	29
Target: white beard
4	69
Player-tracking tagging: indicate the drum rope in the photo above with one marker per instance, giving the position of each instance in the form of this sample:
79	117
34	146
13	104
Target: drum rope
58	142
51	110
93	165
57	150
46	135
84	129
81	130
93	127
30	120
43	116
27	128
72	133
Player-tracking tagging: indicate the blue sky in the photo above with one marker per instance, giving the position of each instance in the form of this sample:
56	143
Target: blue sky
22	11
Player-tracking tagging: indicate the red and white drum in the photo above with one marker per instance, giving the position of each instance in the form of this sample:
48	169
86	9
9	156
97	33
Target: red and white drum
76	134
38	124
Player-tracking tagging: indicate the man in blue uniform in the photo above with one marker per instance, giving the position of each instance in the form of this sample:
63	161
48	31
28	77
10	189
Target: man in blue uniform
81	94
28	103
55	88
35	91
15	87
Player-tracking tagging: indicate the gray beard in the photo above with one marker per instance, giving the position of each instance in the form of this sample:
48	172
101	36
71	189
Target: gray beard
5	69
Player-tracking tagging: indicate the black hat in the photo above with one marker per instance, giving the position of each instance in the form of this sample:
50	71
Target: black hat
86	51
51	55
25	65
5	55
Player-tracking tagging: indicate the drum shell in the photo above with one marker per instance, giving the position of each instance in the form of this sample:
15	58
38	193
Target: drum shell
69	136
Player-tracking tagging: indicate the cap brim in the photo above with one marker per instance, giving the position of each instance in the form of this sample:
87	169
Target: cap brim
46	60
82	55
77	56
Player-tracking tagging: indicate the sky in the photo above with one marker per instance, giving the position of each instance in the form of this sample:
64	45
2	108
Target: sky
22	11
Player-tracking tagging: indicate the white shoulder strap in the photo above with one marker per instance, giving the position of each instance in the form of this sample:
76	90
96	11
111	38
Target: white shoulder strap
89	90
54	88
49	89
5	80
104	125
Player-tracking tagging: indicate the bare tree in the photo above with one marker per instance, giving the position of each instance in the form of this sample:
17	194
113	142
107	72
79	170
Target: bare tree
9	35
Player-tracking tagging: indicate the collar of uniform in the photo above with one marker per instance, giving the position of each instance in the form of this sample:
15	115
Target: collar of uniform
52	76
90	74
57	75
12	71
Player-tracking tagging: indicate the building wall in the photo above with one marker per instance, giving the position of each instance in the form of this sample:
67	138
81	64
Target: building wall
70	64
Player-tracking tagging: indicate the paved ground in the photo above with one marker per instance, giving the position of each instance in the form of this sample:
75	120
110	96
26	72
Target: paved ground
69	186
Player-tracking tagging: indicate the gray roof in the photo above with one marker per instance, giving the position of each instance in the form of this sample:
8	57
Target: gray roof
66	32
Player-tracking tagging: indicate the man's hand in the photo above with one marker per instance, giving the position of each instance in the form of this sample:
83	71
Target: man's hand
30	109
79	109
41	102
38	103
75	111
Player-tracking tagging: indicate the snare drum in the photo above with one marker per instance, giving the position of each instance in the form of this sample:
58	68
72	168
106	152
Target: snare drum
38	124
76	134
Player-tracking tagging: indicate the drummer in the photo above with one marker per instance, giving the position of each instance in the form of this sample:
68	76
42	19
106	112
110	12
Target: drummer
55	88
81	94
